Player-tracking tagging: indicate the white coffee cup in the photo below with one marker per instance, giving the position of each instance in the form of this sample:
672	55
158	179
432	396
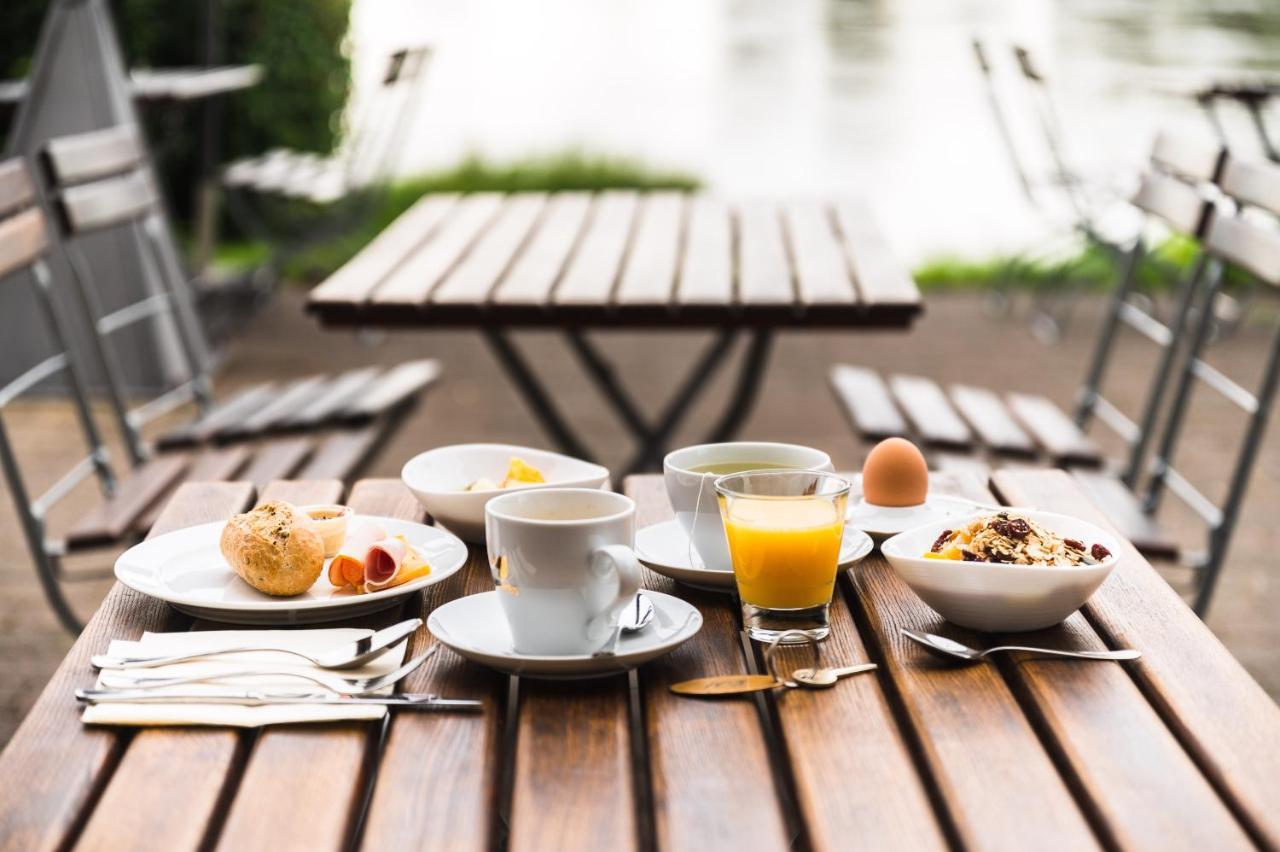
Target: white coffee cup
563	562
693	494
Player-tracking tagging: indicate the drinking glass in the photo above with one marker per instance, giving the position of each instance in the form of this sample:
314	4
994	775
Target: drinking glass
784	529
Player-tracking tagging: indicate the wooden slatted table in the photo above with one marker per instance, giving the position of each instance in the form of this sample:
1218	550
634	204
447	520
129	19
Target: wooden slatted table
1180	750
575	261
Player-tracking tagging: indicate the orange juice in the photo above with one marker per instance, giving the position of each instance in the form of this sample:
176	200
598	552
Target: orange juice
784	550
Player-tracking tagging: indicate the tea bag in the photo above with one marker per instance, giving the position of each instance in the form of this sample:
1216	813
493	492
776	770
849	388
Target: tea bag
738	684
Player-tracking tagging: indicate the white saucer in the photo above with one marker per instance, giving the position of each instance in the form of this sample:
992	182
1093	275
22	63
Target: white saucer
884	521
476	628
186	569
665	548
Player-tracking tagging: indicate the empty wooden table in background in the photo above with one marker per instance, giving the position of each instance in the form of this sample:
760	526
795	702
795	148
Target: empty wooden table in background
660	260
1180	750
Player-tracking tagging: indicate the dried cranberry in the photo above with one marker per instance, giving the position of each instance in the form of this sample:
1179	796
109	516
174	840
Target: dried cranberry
1015	528
1000	558
969	556
941	540
1099	552
1073	543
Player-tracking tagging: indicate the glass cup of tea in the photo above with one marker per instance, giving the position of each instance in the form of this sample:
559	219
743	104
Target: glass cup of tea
784	528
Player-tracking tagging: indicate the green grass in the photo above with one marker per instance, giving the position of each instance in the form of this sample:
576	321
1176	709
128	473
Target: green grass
572	170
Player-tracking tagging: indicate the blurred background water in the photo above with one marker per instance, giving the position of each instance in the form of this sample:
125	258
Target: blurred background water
818	97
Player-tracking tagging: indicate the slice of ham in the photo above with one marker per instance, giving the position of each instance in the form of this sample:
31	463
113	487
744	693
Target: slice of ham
347	568
391	562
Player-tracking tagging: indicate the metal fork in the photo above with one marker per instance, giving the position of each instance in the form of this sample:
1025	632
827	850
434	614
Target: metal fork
334	683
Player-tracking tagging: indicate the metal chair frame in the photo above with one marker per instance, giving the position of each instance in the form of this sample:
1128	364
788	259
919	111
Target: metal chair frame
98	181
32	513
1235	242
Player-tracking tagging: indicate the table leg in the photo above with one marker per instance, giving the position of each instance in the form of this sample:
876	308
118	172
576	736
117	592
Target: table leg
602	372
748	387
535	394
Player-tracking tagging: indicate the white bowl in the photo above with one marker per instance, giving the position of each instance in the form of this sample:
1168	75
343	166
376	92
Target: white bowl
996	597
437	478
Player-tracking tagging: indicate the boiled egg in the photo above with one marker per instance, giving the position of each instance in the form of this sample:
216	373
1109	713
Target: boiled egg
895	474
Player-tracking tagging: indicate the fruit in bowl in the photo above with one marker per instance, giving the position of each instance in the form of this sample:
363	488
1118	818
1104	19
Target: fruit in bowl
454	483
1020	569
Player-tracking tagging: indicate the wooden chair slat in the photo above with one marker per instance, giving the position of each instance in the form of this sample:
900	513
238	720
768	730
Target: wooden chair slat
708	761
997	429
342	391
235	407
1221	716
572	776
531	278
213	465
23	241
865	400
1255	183
16	189
278	458
62	763
113	517
648	278
342	454
930	413
981	751
323	805
822	276
473	280
452	758
1118	502
412	282
1194	159
1139	783
108	202
706	272
964	464
1180	205
1247	245
848	740
360	276
391	390
95	154
1053	430
764	275
882	280
592	272
182	771
289	399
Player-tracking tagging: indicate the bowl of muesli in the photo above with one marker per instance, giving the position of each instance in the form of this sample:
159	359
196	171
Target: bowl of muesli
1018	569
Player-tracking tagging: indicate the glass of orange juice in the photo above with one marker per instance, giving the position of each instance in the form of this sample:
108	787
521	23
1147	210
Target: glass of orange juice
784	529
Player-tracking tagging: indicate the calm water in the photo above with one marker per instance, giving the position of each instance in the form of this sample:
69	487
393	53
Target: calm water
804	97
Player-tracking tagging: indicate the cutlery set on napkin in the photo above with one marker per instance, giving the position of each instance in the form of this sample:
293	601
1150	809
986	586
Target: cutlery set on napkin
250	678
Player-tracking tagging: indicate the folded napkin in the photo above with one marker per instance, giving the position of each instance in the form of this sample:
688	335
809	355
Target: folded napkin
230	715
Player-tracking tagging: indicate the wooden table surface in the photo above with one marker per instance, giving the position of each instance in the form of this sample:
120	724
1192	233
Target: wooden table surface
1180	750
622	258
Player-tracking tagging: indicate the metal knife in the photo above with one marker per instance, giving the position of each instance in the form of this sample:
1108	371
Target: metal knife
409	700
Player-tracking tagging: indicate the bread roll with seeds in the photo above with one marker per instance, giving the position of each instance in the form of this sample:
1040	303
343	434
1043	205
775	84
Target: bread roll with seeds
274	548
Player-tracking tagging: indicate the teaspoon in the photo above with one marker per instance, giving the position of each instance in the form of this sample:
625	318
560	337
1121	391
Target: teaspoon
633	618
950	649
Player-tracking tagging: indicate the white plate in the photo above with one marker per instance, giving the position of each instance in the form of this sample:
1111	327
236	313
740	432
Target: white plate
437	478
475	627
883	521
185	568
665	548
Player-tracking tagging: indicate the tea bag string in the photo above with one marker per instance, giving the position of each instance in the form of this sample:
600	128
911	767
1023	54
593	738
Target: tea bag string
690	551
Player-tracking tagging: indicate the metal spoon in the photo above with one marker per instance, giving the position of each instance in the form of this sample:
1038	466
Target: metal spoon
334	683
824	678
950	649
632	619
346	655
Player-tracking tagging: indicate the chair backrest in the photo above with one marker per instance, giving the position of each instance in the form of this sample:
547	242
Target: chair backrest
1172	193
102	180
23	248
1234	241
383	125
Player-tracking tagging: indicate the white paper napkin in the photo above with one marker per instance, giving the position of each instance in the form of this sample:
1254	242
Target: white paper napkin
230	715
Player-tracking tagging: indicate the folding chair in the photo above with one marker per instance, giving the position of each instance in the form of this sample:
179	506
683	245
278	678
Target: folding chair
1233	241
972	419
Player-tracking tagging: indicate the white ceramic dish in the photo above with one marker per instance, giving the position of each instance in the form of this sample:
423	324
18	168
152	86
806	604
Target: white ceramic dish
665	548
883	521
185	568
1001	598
438	476
474	626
